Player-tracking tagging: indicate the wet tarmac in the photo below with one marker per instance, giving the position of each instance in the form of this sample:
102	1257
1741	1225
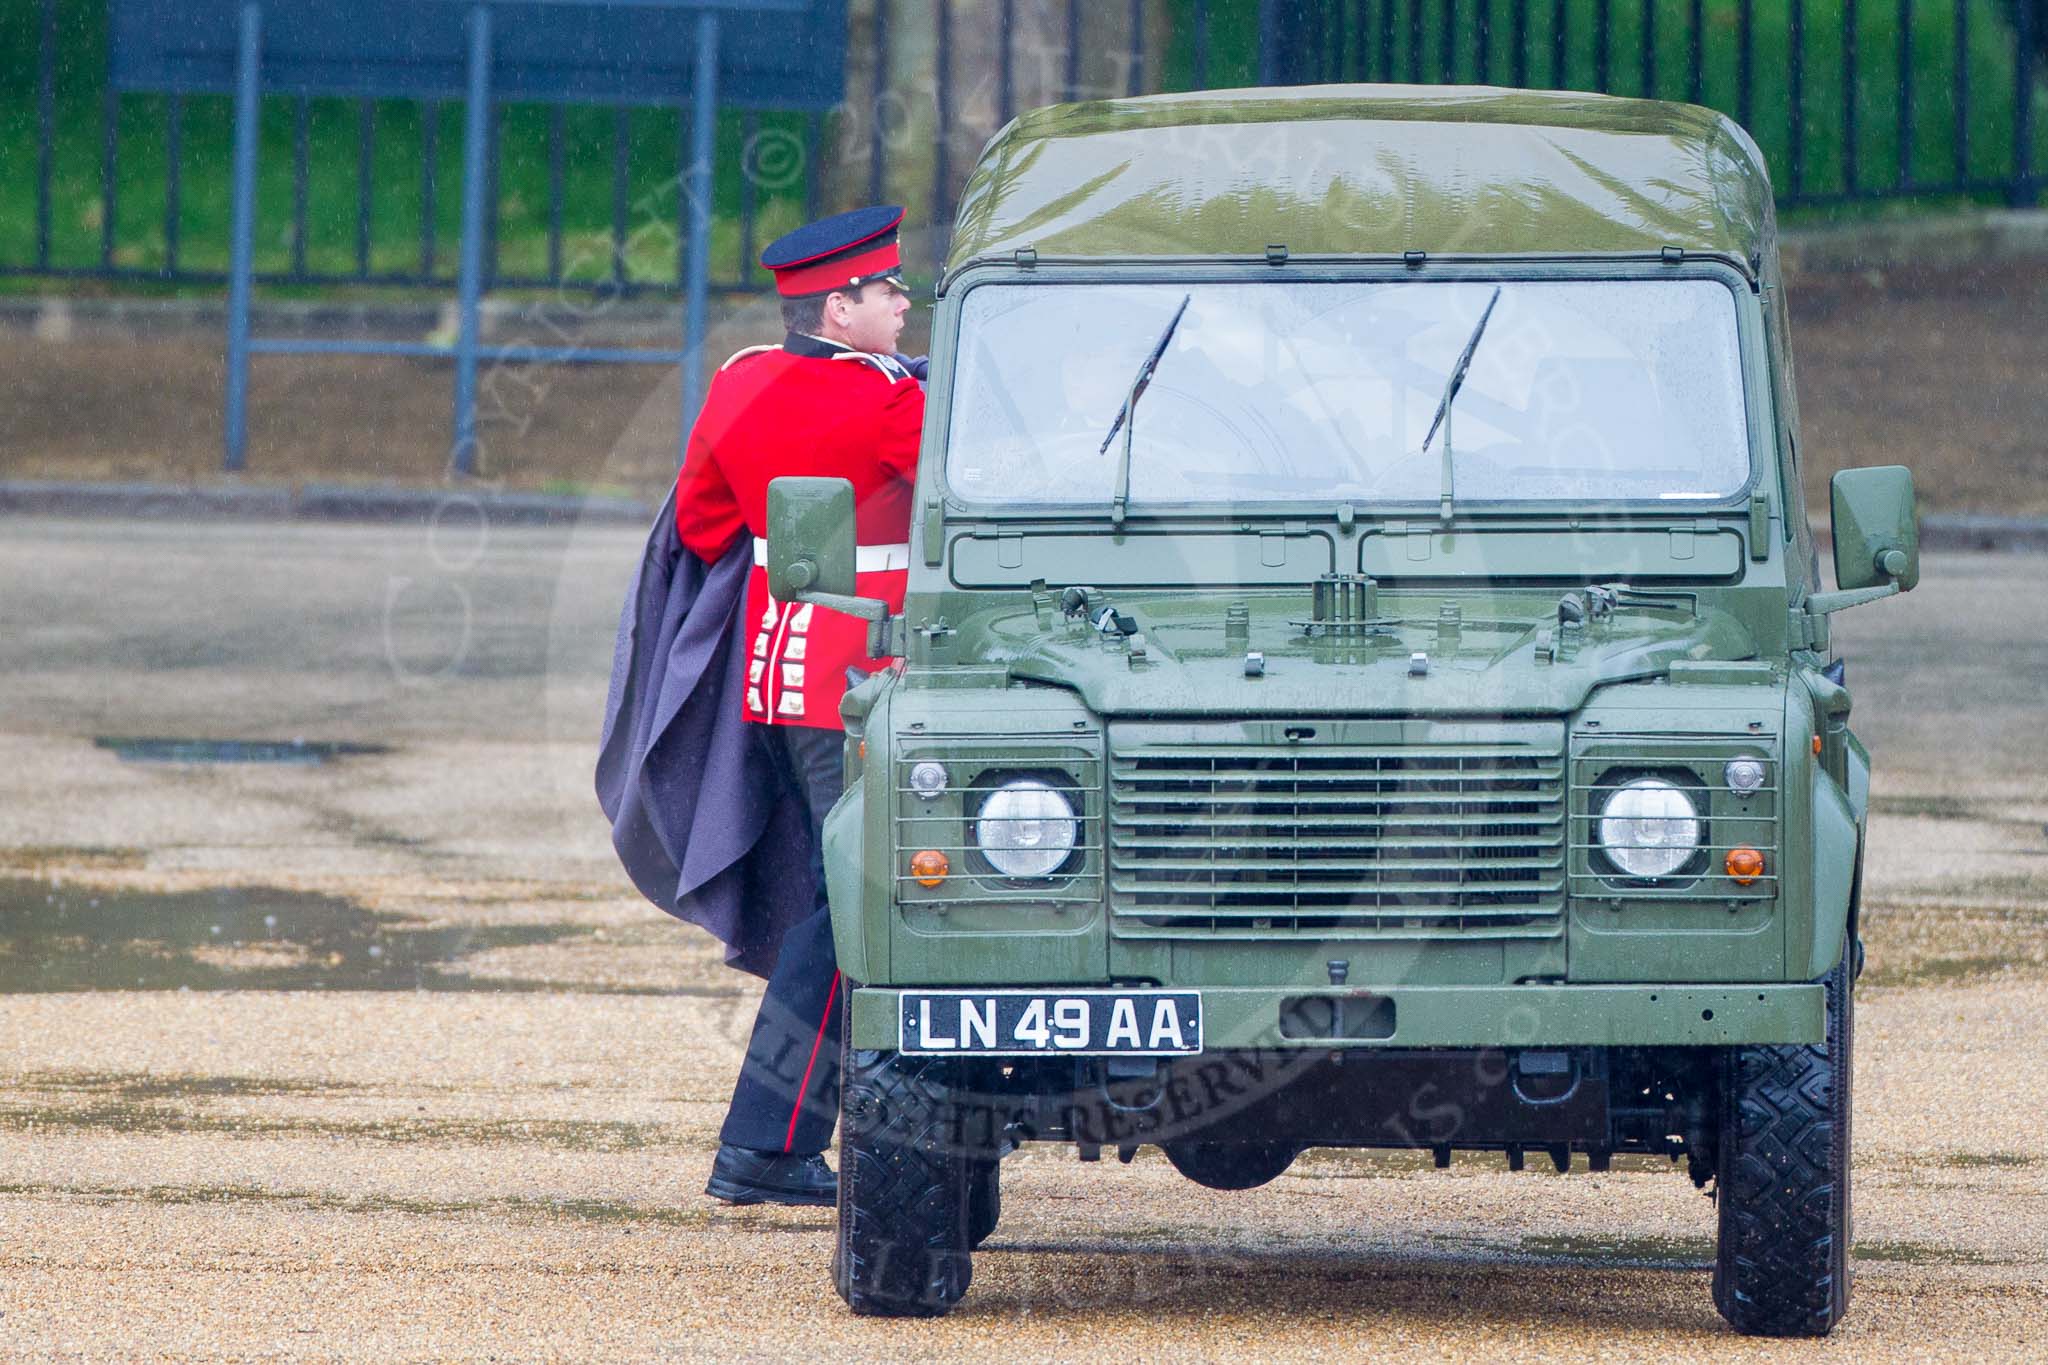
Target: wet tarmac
58	935
379	1056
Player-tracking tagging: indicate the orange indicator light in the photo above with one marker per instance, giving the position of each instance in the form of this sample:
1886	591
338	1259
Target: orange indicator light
1745	865
929	867
1816	743
863	749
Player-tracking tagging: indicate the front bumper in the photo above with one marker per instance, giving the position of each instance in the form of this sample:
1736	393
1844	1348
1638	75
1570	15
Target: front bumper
1477	1016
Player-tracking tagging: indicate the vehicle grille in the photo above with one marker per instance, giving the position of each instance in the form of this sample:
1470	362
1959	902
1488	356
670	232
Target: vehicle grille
1216	833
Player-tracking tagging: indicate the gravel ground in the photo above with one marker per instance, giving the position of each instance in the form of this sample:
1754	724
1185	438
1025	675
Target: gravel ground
380	1059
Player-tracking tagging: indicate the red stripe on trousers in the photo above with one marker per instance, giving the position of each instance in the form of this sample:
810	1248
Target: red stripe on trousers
816	1043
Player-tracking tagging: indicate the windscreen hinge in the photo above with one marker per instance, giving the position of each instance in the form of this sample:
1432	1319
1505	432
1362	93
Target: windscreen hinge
1276	253
1673	255
1414	259
1760	525
1026	257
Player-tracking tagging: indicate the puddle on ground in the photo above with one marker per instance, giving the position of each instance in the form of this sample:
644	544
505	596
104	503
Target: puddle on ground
1648	1250
576	1210
1978	811
1991	1160
1939	971
559	1135
154	749
66	937
142	1085
1914	941
1921	1253
47	858
1691	1251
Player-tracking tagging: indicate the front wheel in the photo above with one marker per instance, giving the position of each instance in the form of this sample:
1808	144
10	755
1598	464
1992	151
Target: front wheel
1782	1180
903	1188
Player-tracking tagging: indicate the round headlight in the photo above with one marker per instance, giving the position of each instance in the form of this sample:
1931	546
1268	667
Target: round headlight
1649	828
1025	829
1745	775
928	779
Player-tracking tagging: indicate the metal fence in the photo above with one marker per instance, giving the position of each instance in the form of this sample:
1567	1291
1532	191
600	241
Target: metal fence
1851	99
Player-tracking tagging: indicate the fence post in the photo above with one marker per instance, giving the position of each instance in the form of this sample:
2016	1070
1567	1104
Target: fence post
174	194
1603	46
110	152
366	182
1073	50
1959	93
1745	66
877	141
703	127
2026	190
1283	31
1850	37
476	133
1795	52
242	236
942	132
1904	132
46	128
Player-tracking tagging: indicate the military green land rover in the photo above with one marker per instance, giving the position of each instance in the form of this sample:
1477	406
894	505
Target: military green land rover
1365	681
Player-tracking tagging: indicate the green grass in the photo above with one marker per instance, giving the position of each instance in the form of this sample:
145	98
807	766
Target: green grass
141	236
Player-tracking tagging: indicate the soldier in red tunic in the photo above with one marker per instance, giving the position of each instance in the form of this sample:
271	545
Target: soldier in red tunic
833	400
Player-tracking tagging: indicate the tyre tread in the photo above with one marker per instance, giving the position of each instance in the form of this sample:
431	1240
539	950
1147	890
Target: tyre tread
903	1248
1782	1268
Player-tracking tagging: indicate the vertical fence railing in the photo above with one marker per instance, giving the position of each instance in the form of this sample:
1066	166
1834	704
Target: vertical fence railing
2025	170
1872	99
1851	99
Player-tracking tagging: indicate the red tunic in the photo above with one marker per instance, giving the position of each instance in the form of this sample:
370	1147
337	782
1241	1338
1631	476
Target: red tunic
814	410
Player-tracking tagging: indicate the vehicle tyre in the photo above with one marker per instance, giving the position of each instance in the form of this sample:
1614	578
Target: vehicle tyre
903	1239
984	1199
1231	1165
1781	1268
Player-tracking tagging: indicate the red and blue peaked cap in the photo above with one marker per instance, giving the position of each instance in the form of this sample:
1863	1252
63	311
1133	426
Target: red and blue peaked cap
841	252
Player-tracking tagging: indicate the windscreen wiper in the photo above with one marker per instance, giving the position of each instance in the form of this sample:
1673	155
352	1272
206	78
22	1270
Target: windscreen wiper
1122	423
1443	409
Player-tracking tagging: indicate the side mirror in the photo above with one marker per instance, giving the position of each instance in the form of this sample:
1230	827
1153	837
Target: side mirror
1876	528
810	538
811	552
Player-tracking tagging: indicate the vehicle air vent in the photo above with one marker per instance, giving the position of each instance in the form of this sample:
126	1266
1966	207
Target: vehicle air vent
1215	833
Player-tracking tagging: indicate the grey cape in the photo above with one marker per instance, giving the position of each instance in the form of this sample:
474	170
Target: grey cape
704	825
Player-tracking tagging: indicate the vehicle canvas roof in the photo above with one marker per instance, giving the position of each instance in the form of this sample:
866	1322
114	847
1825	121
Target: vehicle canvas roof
1367	170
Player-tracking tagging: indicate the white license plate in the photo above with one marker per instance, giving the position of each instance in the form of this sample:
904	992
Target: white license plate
1051	1023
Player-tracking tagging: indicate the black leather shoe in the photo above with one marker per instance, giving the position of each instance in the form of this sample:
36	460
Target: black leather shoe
741	1175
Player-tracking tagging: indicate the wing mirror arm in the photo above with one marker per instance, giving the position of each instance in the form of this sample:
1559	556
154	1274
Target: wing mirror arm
872	610
1828	603
1891	563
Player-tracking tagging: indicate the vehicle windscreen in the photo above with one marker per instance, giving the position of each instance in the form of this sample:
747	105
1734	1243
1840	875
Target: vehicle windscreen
1609	390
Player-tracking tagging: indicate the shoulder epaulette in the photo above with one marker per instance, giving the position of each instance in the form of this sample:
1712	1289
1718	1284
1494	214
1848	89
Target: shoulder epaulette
883	365
737	356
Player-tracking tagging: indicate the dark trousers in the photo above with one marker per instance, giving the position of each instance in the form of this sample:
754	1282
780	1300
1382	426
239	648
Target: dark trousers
787	1096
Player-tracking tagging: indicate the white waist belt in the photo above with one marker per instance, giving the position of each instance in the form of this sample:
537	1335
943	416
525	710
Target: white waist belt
866	558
